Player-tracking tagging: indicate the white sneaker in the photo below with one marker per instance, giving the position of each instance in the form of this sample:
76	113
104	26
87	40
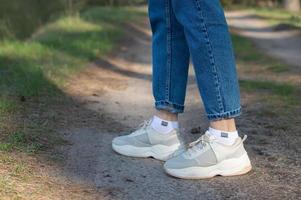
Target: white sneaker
206	158
147	142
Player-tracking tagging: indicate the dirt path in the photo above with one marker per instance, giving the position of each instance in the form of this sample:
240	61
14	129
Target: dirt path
275	41
118	89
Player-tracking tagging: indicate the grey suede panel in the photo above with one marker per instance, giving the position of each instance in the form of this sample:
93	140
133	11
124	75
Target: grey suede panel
143	138
205	159
179	162
133	141
163	139
149	137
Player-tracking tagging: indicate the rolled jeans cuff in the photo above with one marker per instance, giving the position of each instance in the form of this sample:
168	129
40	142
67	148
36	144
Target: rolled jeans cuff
224	115
169	106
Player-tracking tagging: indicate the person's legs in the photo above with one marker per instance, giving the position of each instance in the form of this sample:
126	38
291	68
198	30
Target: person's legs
170	58
202	24
159	137
214	52
170	55
220	151
210	46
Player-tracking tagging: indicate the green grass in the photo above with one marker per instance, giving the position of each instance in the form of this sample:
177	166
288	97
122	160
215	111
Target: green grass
279	16
281	97
37	68
19	19
278	67
279	89
33	72
251	60
263	68
275	16
59	49
6	106
247	53
245	49
22	142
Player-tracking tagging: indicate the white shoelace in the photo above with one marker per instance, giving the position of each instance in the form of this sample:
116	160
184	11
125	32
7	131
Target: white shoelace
199	144
144	124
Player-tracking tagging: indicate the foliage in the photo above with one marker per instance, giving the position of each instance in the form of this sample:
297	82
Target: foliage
115	2
268	3
19	19
279	17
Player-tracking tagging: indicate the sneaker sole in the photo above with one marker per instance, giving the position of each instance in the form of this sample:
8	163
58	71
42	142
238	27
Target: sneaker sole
159	152
229	167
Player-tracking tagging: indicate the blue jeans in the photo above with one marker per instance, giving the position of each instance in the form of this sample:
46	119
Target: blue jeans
198	28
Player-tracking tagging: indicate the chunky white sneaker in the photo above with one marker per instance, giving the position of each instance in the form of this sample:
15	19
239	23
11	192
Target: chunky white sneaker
206	158
147	142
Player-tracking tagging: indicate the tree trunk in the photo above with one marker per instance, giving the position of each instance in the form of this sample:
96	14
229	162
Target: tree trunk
292	5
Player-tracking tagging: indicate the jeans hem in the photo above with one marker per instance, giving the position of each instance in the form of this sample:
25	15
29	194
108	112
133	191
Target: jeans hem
225	115
169	106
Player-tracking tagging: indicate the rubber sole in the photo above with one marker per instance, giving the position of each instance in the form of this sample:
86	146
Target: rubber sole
229	167
159	152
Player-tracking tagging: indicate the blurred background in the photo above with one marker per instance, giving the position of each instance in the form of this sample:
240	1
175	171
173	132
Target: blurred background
19	19
66	66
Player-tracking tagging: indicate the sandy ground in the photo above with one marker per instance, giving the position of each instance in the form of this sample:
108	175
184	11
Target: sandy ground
118	89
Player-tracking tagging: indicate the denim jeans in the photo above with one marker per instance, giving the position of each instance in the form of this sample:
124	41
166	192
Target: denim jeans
196	28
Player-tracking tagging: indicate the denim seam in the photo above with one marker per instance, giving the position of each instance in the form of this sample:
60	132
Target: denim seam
204	29
169	106
223	115
168	48
164	101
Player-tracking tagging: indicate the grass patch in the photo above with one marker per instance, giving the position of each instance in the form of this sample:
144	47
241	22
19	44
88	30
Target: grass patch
278	67
20	141
113	15
32	72
279	16
6	187
36	69
272	92
253	61
247	53
6	106
279	89
41	64
245	50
